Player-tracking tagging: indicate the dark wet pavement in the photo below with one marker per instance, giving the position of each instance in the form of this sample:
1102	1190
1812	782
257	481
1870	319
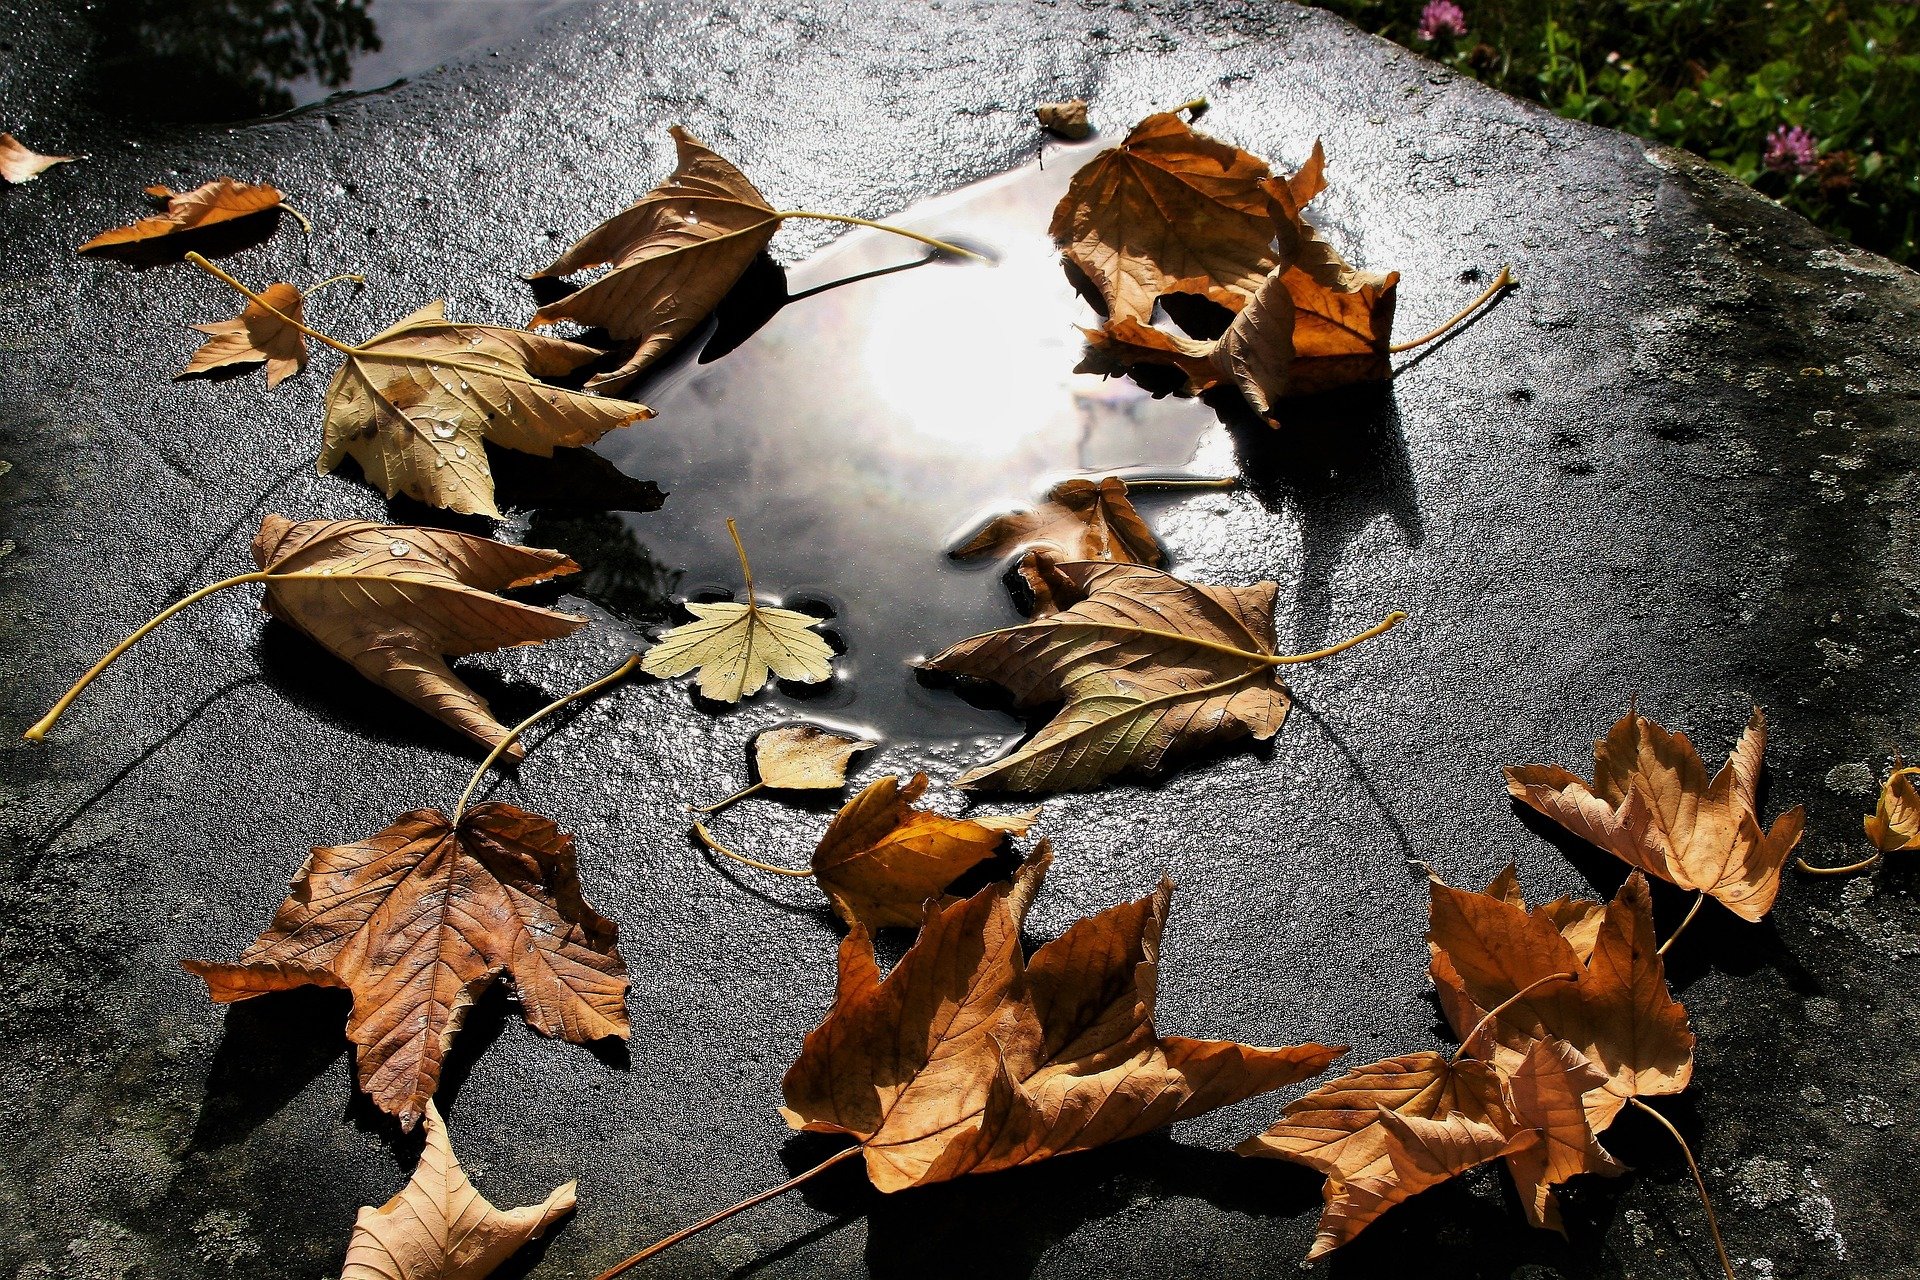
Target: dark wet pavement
1680	461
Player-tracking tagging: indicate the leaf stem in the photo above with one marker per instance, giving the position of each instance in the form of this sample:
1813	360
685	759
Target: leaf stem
1196	482
658	1245
1504	281
941	245
513	735
39	730
746	570
1698	899
1487	1018
306	224
344	275
1392	620
1192	104
1862	865
220	275
706	838
741	794
1379	628
1713	1224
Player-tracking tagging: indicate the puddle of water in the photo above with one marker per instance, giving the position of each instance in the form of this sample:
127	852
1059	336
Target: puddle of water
859	429
240	59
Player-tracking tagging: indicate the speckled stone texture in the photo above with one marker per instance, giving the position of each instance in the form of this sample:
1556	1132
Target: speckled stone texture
1680	461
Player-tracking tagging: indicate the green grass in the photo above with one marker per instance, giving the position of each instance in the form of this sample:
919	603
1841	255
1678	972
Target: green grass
1718	77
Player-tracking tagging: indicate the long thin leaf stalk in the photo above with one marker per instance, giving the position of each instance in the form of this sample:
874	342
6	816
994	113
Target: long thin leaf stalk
741	794
513	735
40	727
622	1267
941	245
1698	899
1386	624
1503	282
1706	1201
706	838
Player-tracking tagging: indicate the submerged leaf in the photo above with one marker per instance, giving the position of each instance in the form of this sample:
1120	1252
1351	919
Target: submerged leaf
1650	804
440	1227
881	859
1146	665
413	404
420	918
256	334
17	164
674	255
969	1058
404	598
1080	520
222	200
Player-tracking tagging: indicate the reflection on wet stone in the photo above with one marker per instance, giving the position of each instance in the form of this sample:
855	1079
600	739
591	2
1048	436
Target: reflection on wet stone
893	402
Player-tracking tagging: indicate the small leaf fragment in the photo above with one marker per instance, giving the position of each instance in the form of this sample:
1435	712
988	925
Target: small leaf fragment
804	757
222	200
433	597
1064	119
414	403
1650	805
18	164
881	860
439	1227
421	917
1079	520
255	335
969	1058
1545	1093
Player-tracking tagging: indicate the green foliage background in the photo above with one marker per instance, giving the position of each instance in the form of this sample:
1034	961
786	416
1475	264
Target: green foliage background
1717	77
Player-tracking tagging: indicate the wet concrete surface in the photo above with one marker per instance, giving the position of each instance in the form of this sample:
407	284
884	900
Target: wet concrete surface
1681	461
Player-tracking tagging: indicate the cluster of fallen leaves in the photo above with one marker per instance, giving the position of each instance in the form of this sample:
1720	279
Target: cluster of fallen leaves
970	1056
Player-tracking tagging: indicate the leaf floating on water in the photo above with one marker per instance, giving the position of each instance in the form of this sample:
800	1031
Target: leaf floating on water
1651	805
440	1227
1064	119
969	1058
736	648
259	333
222	200
674	255
1147	666
18	164
881	860
420	918
1080	520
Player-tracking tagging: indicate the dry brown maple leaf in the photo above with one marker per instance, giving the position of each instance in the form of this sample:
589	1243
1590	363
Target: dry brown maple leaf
17	164
1651	805
881	859
969	1058
1064	119
414	404
440	1227
222	200
1387	1131
1486	948
1545	1094
1079	520
1171	210
420	918
258	333
395	600
674	255
1146	665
